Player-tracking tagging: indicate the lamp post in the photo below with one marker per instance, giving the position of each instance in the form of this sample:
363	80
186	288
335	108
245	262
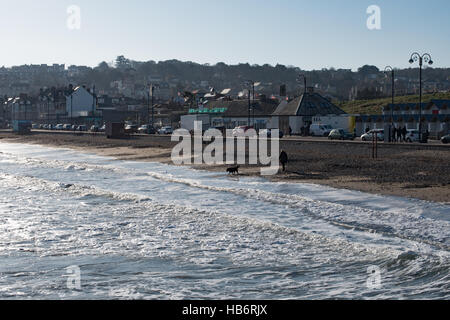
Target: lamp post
93	104
151	95
427	59
71	108
299	79
386	71
48	110
251	85
390	69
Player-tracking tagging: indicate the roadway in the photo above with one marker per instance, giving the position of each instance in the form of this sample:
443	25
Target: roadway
432	144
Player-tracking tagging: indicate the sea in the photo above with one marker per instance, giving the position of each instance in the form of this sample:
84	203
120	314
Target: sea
76	225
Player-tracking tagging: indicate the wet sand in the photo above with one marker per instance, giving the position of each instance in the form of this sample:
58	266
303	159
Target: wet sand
408	171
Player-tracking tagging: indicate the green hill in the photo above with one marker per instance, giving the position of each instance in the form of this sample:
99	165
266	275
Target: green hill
375	106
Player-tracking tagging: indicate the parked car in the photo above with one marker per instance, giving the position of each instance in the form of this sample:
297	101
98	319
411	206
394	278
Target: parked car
369	135
131	128
165	130
67	127
445	139
59	127
340	134
412	136
102	128
146	129
268	133
241	131
94	128
320	130
82	128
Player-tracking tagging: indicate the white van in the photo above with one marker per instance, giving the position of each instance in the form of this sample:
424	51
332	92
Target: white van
320	130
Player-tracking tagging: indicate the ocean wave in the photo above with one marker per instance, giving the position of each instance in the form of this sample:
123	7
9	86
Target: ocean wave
405	224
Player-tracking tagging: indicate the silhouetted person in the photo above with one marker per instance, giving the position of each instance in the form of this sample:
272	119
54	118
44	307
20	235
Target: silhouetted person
426	136
404	132
283	159
394	134
290	131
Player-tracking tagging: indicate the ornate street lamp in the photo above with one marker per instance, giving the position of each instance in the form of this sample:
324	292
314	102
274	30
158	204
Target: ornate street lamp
421	58
386	71
391	70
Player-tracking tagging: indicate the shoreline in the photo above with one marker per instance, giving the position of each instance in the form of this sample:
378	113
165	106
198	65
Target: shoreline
314	167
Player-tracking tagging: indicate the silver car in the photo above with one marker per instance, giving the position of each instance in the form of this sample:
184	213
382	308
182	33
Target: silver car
412	135
370	135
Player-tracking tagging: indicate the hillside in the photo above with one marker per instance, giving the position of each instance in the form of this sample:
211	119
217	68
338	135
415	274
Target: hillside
375	106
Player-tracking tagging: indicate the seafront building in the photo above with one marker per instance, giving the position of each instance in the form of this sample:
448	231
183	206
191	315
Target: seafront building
435	117
303	111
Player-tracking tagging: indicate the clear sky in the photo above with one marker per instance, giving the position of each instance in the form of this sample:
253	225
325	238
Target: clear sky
310	34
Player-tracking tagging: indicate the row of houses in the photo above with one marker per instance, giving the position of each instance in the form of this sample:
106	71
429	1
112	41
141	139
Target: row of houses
434	116
83	105
51	105
298	115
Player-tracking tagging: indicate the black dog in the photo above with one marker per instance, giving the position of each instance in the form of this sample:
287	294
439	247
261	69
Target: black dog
233	170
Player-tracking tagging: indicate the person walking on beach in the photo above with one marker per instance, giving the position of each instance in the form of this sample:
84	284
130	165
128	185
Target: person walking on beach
284	159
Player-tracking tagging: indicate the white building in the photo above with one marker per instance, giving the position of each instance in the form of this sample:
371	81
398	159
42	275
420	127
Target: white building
300	112
81	103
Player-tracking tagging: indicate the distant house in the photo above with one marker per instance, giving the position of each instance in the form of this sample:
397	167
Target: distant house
51	104
23	108
80	103
230	114
301	111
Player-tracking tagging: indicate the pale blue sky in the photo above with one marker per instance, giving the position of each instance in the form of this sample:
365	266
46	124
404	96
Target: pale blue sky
308	34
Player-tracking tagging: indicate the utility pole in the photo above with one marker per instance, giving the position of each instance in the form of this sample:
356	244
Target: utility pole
249	108
153	110
148	107
48	110
304	81
71	108
151	94
250	84
93	104
253	105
